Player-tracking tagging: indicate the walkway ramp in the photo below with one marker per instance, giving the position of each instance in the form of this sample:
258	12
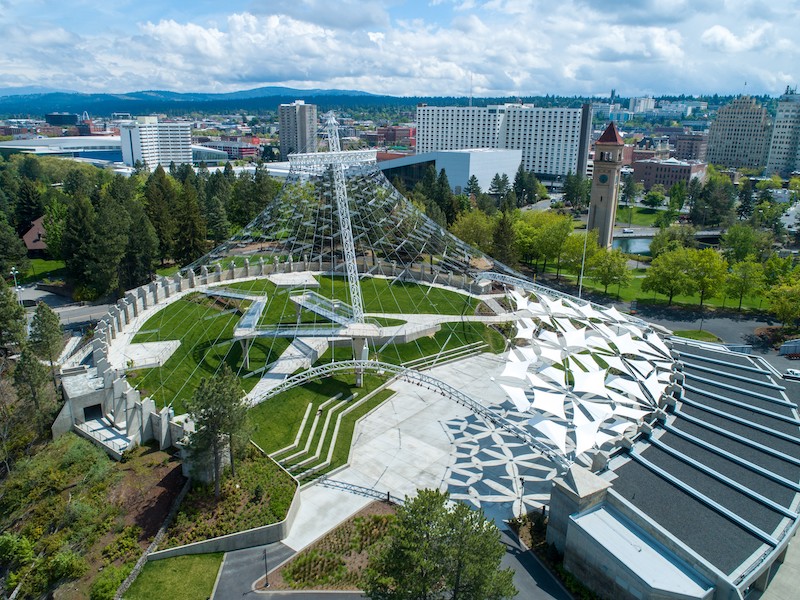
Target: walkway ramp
301	354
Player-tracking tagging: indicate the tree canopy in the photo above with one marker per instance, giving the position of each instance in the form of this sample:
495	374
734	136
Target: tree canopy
436	551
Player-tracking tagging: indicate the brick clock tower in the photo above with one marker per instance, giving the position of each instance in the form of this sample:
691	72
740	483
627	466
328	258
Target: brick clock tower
605	184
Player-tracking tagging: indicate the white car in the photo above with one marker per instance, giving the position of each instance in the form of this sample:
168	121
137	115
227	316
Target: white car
627	230
792	374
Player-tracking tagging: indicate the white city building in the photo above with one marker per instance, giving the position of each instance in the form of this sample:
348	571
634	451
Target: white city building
784	149
553	141
155	143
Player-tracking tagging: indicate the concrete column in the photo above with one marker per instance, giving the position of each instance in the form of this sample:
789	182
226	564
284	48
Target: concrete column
154	292
142	291
260	265
217	273
232	271
290	264
131	298
165	286
204	275
178	282
305	262
360	351
247	267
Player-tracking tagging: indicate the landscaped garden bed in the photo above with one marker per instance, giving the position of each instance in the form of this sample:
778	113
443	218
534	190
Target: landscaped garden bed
337	560
259	495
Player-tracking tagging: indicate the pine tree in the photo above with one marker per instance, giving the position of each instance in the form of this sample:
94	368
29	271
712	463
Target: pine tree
219	410
191	242
29	205
47	337
12	317
504	240
30	378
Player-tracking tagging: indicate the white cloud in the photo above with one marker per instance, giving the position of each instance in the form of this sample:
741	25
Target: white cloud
510	47
722	39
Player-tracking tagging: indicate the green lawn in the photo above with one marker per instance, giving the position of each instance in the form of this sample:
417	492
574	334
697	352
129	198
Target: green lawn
276	422
634	292
167	271
697	334
636	215
379	296
205	332
193	575
43	268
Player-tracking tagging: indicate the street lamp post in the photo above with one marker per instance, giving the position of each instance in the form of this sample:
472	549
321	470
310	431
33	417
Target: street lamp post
521	497
14	273
583	258
266	570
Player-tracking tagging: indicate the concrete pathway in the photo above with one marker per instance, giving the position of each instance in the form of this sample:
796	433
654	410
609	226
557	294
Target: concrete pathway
297	356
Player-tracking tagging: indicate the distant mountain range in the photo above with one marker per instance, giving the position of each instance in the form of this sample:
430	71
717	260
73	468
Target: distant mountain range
35	101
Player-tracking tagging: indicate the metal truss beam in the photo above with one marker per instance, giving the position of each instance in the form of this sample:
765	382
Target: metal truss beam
428	382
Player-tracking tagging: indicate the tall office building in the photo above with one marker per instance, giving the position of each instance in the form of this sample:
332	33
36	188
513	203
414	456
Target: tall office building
152	143
784	149
553	141
739	137
298	128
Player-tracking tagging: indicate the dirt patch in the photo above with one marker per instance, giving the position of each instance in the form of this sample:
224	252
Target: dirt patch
354	561
150	481
775	336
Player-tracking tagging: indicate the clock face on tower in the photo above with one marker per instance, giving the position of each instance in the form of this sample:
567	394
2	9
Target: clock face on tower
603	178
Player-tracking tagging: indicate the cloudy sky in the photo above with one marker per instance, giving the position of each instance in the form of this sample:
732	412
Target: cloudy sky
404	47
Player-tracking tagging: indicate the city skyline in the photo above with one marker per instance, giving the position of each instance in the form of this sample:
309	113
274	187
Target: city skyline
402	48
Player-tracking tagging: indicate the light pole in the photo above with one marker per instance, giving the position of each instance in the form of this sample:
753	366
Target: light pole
583	258
266	570
521	497
14	273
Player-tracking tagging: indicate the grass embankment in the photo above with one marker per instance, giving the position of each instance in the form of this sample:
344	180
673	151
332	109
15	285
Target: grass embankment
74	521
640	216
259	495
193	576
277	421
205	331
337	560
697	334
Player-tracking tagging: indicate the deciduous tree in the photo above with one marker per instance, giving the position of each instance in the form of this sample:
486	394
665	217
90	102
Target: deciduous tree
706	272
610	267
668	274
746	278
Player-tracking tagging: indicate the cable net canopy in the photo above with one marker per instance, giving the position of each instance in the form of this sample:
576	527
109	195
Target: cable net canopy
301	223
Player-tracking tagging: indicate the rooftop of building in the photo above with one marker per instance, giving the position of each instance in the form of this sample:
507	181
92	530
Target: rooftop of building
721	474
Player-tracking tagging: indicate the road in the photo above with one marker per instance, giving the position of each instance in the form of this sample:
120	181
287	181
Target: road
72	314
244	568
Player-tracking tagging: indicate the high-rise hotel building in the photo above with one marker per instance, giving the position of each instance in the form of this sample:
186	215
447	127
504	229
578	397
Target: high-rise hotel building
739	137
553	141
784	150
148	141
298	128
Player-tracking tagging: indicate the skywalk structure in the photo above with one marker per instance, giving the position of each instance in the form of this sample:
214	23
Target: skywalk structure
670	469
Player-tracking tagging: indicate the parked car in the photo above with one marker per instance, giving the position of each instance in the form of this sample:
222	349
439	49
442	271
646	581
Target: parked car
627	230
792	374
